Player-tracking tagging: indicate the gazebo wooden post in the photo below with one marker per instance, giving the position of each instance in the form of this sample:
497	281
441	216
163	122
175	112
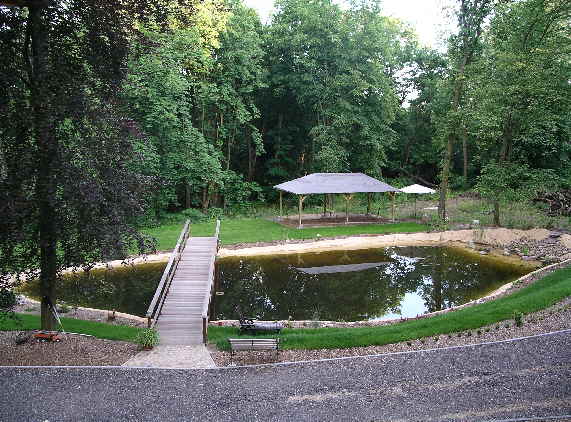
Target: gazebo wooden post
281	204
300	207
324	204
393	206
348	197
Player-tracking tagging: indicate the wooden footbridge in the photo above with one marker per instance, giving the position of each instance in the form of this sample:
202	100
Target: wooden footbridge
180	306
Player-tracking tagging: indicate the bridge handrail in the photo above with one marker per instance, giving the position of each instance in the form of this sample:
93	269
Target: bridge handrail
168	274
208	298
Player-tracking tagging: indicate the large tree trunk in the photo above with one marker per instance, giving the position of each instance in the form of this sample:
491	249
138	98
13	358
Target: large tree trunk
470	21
504	158
205	198
187	195
497	213
458	86
252	158
47	150
445	176
465	154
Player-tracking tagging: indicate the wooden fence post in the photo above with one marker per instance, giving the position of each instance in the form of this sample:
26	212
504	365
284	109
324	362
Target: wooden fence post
300	206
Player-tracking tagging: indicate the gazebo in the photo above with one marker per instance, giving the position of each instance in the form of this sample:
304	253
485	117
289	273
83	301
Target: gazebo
417	190
346	184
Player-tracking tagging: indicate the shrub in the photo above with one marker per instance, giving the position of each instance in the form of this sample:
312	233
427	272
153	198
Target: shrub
240	196
518	318
8	301
437	224
215	213
147	338
194	215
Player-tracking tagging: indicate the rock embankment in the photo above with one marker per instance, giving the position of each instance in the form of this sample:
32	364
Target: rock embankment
548	250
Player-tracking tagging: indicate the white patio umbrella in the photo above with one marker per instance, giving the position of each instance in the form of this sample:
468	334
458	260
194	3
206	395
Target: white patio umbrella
417	190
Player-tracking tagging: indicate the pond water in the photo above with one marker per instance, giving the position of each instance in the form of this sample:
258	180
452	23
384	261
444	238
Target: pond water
341	285
356	285
128	288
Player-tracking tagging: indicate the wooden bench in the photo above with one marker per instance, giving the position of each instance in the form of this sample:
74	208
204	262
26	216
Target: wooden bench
249	326
237	344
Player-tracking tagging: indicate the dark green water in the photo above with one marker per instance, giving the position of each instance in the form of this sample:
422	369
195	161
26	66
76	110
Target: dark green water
348	286
356	285
129	288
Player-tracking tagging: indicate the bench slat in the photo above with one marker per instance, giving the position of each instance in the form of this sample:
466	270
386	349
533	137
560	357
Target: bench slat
255	344
238	348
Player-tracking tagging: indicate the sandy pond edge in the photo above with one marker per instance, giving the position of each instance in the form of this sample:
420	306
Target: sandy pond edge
494	237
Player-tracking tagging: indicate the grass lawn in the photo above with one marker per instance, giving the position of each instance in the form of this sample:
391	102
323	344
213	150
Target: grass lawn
96	329
250	230
541	294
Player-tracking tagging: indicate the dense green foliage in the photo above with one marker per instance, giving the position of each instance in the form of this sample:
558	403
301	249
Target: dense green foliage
67	194
540	295
220	107
327	88
519	91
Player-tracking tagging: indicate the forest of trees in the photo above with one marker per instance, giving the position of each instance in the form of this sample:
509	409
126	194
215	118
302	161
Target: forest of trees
219	107
113	110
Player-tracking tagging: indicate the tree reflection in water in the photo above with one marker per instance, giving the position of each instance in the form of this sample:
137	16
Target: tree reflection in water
125	288
337	286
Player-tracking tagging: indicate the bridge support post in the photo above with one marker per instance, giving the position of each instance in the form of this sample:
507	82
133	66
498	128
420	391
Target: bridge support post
204	330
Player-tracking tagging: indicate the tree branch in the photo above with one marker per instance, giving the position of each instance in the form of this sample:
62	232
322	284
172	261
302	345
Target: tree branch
418	178
25	3
26	53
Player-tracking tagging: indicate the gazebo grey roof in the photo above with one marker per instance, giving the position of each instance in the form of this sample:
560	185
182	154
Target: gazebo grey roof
335	183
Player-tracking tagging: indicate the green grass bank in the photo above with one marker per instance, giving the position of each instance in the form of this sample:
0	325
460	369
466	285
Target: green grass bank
539	295
28	322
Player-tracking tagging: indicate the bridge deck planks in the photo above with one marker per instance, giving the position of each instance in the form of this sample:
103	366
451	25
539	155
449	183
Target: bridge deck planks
180	321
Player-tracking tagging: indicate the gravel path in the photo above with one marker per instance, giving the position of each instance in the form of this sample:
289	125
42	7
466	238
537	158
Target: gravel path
528	378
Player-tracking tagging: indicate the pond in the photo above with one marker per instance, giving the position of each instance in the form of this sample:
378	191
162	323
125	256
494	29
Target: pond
341	285
357	285
128	288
